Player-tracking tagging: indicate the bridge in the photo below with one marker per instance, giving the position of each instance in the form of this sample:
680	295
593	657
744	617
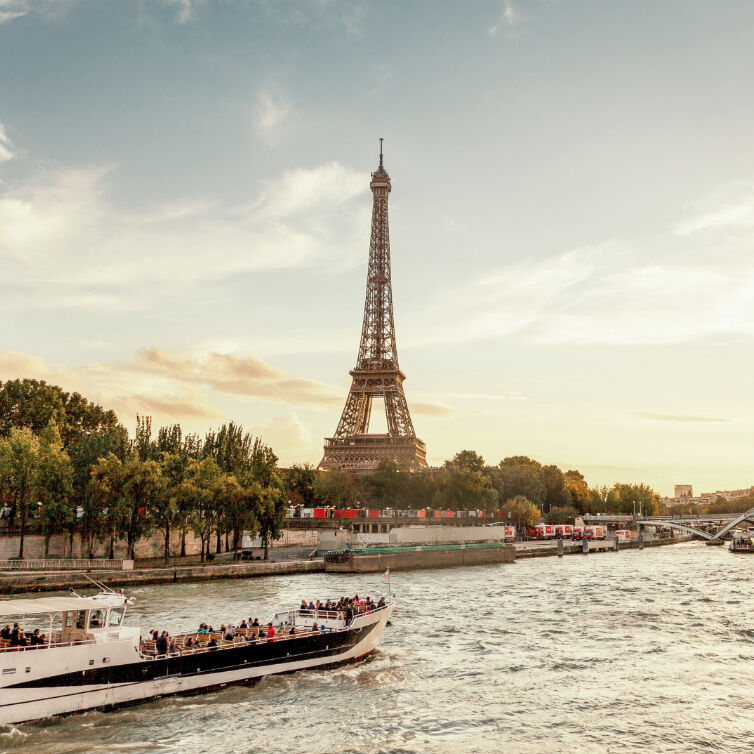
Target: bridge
683	523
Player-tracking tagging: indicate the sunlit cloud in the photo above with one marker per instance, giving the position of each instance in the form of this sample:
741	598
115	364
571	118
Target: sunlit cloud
271	114
6	152
682	418
63	245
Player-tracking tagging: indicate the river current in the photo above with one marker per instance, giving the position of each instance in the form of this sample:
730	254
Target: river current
633	651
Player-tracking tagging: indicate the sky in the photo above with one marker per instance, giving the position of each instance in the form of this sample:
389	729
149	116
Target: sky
185	209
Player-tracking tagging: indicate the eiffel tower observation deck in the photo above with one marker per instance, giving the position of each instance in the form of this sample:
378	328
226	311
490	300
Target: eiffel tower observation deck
377	374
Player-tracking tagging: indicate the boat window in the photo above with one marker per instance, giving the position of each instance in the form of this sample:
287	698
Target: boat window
116	616
80	621
97	619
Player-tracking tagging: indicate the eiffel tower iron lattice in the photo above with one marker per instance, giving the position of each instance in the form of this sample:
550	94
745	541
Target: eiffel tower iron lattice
377	374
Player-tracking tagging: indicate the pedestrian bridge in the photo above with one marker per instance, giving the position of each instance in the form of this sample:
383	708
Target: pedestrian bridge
728	522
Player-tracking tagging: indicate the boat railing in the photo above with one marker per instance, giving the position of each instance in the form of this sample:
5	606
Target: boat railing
5	645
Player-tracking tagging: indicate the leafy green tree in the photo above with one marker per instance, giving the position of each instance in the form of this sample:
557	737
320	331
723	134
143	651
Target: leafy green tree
556	491
522	511
54	482
578	491
299	482
235	507
386	485
199	489
463	488
564	514
519	475
104	504
270	511
18	474
143	484
338	488
466	460
33	404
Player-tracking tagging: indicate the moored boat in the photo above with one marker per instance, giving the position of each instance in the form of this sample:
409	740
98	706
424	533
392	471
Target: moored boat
84	657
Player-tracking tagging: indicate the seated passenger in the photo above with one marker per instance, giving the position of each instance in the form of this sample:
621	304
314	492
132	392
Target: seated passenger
188	643
315	627
5	633
255	624
212	644
304	606
322	628
244	624
292	632
311	606
381	603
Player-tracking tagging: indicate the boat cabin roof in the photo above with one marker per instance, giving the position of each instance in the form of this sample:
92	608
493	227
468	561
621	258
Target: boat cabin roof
48	605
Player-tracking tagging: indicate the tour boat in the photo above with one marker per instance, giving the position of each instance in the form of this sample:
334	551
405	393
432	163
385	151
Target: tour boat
90	659
743	541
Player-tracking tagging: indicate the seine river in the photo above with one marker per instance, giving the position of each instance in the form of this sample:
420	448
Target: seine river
635	651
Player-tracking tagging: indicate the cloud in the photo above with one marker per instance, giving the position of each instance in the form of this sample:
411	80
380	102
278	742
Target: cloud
289	438
691	282
10	9
271	113
508	18
63	245
185	9
6	153
656	416
241	377
429	409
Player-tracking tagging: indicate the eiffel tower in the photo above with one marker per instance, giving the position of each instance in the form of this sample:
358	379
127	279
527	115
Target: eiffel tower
377	373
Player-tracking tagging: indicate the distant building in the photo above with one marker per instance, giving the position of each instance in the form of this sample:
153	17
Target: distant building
683	490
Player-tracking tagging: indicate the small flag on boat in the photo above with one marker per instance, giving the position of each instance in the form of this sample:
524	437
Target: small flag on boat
387	574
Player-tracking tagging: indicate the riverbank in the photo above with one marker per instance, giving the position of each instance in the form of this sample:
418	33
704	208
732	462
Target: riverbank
48	581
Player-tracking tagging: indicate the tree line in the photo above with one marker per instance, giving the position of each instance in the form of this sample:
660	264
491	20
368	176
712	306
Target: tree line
517	485
60	454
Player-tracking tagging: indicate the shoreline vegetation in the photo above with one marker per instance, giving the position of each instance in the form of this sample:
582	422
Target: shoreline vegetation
68	466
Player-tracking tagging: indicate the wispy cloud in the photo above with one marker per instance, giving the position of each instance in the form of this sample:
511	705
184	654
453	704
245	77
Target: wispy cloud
6	151
271	113
508	18
185	9
10	9
63	245
189	386
683	418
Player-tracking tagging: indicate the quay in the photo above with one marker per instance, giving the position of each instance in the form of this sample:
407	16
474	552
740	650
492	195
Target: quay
372	559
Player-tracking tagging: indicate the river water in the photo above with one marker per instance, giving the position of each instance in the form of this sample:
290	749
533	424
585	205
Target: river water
635	651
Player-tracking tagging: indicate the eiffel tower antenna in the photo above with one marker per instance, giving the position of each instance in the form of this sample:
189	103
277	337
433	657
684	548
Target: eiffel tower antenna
377	373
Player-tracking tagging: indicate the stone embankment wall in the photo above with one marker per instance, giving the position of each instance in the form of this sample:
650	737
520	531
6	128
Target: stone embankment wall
51	581
422	558
151	547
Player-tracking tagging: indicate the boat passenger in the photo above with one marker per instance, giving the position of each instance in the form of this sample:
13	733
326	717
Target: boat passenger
381	603
5	633
322	628
212	644
303	605
315	627
188	643
270	632
36	639
244	624
292	632
311	606
255	624
161	643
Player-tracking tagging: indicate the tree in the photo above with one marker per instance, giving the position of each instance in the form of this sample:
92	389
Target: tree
565	514
460	488
33	404
235	506
520	475
466	460
142	485
18	474
578	491
104	503
556	491
198	489
54	482
522	511
299	483
338	488
386	485
270	511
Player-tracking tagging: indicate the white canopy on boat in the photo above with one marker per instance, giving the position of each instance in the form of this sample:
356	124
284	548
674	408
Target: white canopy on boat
46	605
